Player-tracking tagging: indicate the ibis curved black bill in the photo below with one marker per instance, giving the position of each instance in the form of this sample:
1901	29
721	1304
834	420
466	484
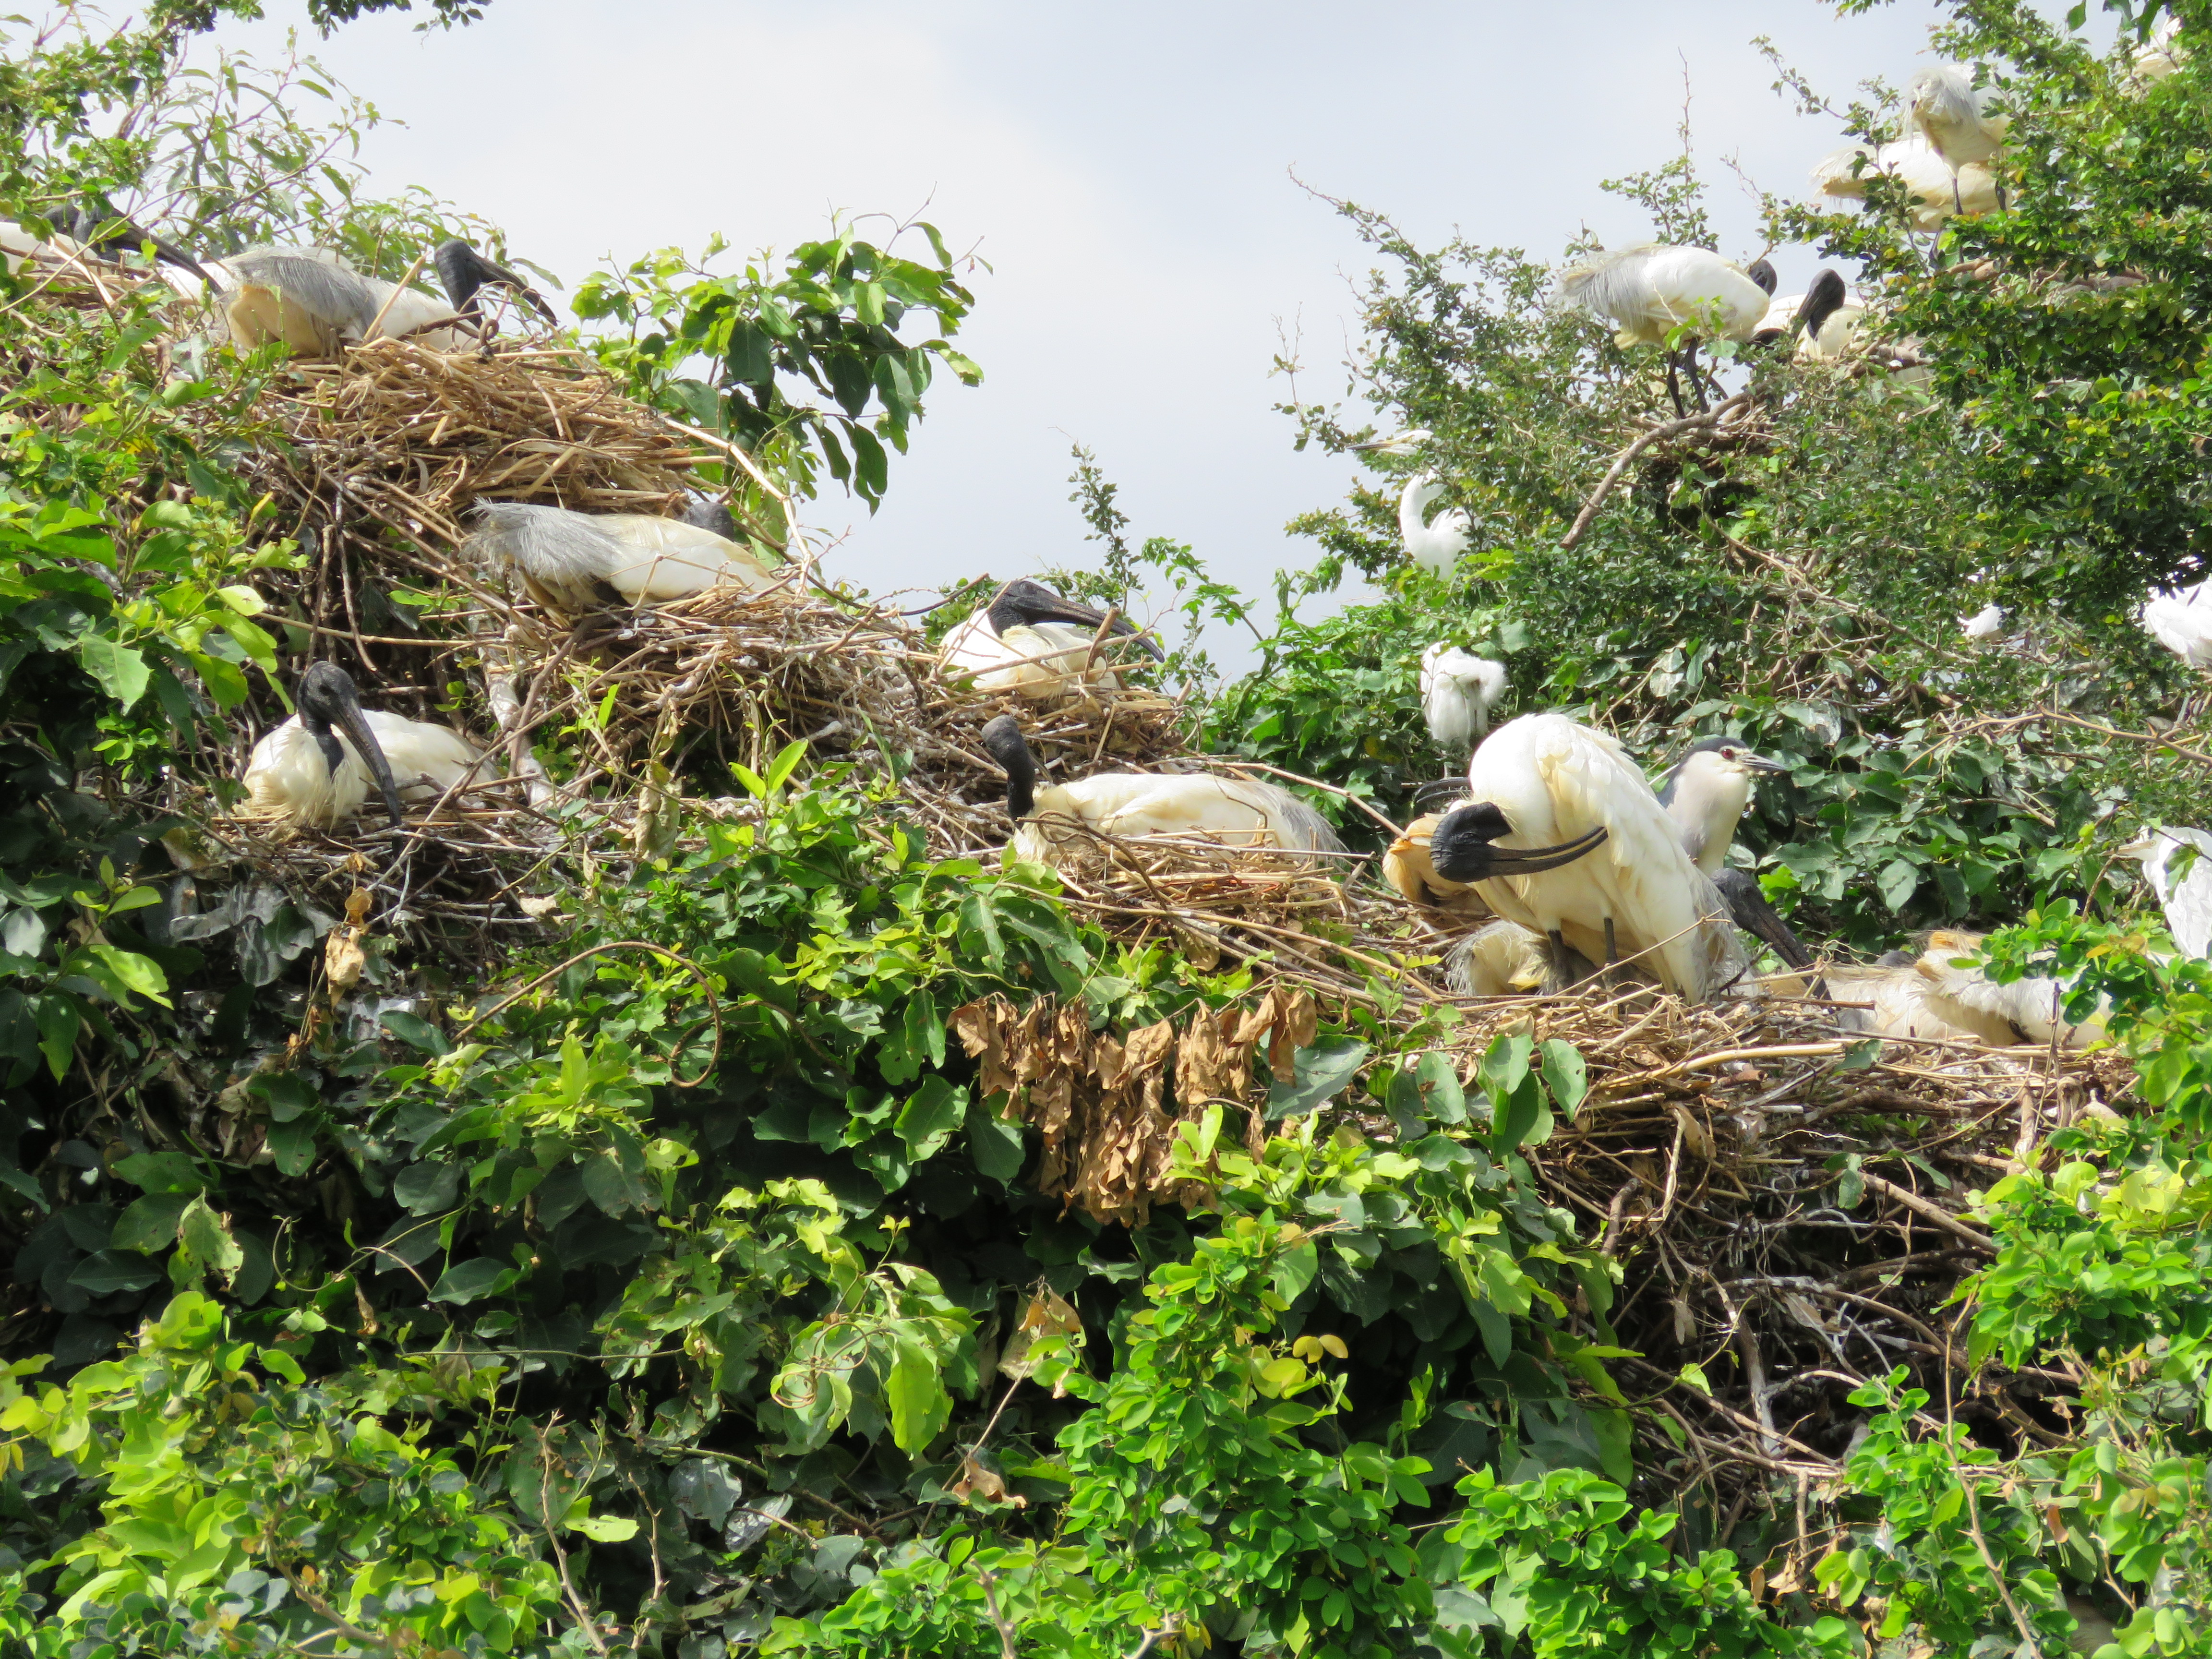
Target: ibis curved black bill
1535	860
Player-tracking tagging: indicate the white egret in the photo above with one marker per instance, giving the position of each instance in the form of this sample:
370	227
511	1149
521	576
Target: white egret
1434	546
1906	1005
2185	893
2160	55
1049	819
1032	642
1987	624
1937	190
2182	622
1545	778
1407	441
1963	123
304	774
1648	291
1458	691
579	562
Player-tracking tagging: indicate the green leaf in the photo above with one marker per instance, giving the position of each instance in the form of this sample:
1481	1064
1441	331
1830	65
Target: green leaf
920	1406
604	1528
150	1223
415	1031
465	1282
292	1145
994	1145
122	672
1898	881
104	1273
203	1239
785	763
1319	1075
162	1172
1565	1074
929	1116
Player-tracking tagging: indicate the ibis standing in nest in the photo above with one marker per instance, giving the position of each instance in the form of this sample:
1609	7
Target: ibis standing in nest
581	563
1546	780
1030	642
1051	819
314	770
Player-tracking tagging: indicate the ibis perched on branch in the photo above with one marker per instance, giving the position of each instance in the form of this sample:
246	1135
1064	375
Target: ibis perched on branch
1937	190
1964	124
314	770
1648	292
1610	876
579	562
1049	819
1032	642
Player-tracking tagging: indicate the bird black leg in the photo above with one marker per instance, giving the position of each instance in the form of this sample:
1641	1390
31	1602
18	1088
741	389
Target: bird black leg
1612	950
1674	385
1562	960
1697	376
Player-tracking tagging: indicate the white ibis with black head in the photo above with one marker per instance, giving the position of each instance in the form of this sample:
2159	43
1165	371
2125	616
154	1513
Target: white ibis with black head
314	770
1547	779
580	562
463	273
111	236
314	304
1649	291
1032	642
1049	819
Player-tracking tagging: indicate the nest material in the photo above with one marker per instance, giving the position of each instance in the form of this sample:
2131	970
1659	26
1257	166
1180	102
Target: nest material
1711	1158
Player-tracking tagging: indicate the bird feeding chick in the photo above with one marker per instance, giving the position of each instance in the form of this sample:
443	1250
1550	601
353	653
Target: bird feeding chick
1050	820
580	562
1032	642
1545	780
313	770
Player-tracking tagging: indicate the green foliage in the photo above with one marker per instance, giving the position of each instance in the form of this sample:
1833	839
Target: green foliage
725	351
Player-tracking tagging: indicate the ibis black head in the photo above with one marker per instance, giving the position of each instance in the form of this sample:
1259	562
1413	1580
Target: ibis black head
1022	603
111	235
1460	847
1004	743
1821	302
1762	276
327	697
463	272
708	513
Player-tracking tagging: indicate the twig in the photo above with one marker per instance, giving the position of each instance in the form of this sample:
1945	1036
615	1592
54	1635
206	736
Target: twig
1621	463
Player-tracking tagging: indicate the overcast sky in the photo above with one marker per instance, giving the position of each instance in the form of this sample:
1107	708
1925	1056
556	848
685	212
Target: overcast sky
1126	171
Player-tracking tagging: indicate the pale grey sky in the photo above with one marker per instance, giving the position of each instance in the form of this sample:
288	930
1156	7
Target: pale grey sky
1125	170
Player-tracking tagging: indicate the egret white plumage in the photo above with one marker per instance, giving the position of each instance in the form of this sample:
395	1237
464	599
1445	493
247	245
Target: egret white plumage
2176	862
2160	55
1032	642
1545	778
2182	622
1937	190
1987	624
1648	292
1407	441
579	562
306	773
1965	123
1458	691
1434	546
1906	1005
1049	819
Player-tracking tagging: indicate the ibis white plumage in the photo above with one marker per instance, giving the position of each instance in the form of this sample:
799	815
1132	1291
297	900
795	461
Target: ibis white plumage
314	304
1433	544
2176	862
1050	819
2030	1007
1937	190
580	562
315	769
1964	124
1648	291
1545	778
1458	691
1032	642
